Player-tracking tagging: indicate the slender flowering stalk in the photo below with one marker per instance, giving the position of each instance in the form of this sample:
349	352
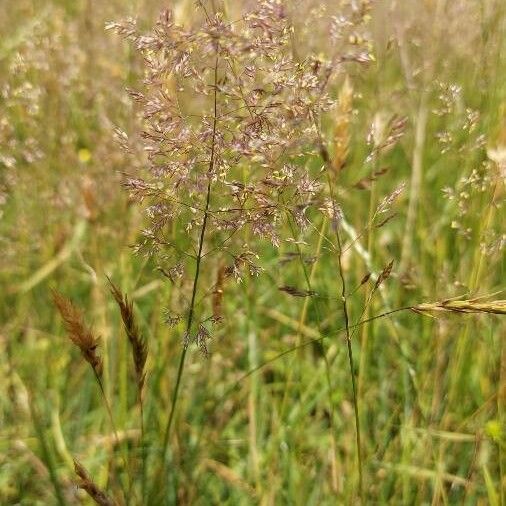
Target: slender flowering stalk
228	124
263	126
249	151
82	336
463	306
197	268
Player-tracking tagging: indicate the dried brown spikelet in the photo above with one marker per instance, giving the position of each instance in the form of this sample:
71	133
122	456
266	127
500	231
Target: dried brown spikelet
86	483
171	319
341	139
174	273
295	292
365	183
79	333
137	341
365	279
463	306
384	275
386	220
201	339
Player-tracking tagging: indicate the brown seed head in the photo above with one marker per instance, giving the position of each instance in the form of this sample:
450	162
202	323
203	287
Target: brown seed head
137	341
78	332
86	483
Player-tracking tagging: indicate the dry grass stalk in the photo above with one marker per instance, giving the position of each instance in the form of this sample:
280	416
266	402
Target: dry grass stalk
341	139
218	292
79	333
82	336
87	484
137	341
463	306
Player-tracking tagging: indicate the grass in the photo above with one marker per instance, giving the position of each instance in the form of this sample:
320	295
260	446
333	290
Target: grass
270	417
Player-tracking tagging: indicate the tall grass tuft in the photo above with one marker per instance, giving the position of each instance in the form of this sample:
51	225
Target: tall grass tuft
313	204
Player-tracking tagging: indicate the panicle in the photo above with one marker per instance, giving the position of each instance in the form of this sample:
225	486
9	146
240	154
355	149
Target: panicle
78	332
463	306
243	77
91	488
137	341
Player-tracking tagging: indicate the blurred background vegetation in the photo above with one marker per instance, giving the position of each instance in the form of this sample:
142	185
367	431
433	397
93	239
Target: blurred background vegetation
432	390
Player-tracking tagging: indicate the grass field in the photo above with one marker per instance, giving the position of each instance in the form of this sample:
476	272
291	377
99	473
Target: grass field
320	280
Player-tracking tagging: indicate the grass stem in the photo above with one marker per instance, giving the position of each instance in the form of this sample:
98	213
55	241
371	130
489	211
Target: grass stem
191	312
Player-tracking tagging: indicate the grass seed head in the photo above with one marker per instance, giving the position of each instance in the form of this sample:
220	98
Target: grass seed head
86	483
137	341
463	306
78	332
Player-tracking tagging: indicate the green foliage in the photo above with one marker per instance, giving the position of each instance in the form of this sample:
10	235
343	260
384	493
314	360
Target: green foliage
268	418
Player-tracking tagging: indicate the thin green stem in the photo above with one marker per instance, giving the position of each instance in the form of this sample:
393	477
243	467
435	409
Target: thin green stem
302	318
325	156
309	284
107	406
191	312
366	329
350	361
347	329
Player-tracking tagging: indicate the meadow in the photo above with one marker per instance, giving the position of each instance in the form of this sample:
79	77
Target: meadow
252	252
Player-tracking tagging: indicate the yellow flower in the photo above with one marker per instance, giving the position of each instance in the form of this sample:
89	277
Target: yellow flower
494	430
84	155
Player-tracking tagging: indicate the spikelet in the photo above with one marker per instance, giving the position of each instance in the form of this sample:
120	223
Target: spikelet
137	341
341	140
78	332
463	306
384	275
86	483
296	292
